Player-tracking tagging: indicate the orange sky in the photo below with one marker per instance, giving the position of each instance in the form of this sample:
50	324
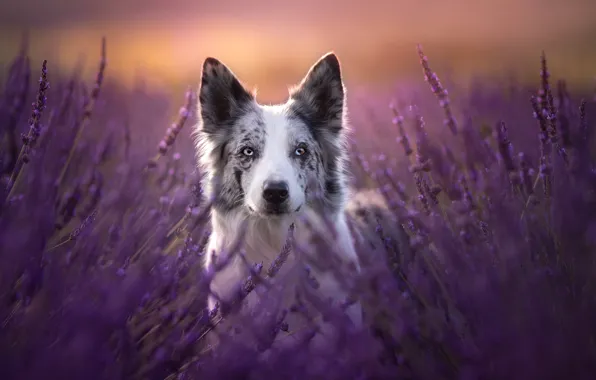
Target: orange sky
271	43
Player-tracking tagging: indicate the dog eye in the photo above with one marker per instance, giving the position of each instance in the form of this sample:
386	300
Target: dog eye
248	151
300	151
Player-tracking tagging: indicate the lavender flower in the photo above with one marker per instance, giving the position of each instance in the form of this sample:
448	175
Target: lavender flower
484	282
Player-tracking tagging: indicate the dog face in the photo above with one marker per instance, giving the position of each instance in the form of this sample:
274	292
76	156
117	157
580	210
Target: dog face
266	160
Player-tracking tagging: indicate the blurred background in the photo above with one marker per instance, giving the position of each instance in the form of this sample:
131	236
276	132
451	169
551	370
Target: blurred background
96	287
271	43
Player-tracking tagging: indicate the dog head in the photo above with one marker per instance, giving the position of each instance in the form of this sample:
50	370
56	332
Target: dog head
269	160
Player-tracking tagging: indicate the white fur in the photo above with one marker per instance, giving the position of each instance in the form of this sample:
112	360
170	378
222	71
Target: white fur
263	242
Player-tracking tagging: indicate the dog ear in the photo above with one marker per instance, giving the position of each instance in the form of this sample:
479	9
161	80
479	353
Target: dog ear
319	98
221	96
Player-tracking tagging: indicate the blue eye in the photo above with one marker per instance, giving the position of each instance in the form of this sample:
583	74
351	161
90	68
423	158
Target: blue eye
300	151
248	152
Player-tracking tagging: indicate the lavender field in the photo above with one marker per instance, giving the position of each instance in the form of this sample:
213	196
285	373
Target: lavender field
483	262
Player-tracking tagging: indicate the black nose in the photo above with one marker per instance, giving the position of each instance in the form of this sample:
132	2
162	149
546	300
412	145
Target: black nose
275	192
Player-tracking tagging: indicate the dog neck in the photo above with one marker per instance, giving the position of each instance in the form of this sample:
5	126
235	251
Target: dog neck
264	237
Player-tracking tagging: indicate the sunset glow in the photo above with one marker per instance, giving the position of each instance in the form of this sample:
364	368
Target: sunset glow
272	43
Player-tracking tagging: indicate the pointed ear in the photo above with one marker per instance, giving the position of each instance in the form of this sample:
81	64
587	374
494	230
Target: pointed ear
319	98
222	97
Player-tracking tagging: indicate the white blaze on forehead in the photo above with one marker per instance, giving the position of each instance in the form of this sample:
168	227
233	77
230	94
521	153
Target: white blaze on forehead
277	142
275	162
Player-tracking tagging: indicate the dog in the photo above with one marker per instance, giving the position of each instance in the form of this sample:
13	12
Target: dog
263	165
